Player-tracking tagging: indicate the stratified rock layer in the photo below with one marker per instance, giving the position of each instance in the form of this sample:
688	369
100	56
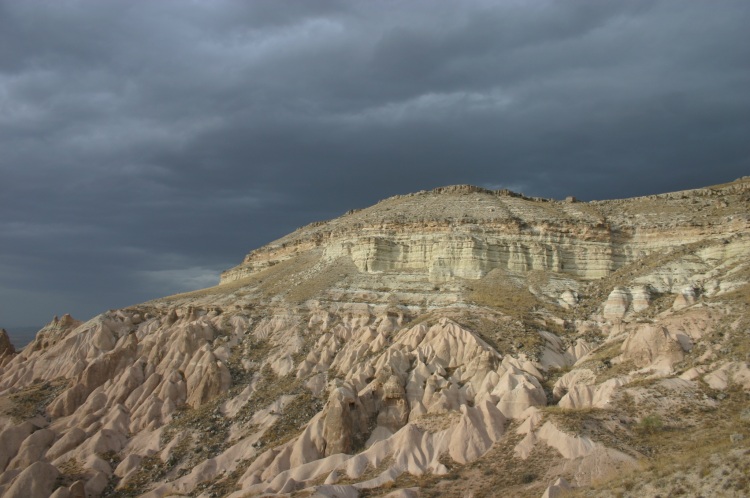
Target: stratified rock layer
405	345
465	231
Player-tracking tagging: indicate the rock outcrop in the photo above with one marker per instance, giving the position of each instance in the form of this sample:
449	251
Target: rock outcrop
466	232
449	341
7	351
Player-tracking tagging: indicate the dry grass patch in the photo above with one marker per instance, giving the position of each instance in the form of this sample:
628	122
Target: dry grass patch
551	377
370	472
498	290
270	388
574	420
268	282
33	399
314	285
70	471
223	485
595	292
436	422
505	334
149	471
252	350
600	362
694	441
497	473
293	418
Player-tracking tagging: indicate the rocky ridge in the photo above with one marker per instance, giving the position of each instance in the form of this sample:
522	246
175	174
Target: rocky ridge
466	231
447	343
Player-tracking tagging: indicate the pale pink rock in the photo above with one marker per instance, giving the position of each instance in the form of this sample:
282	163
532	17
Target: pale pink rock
652	345
209	377
78	490
732	372
98	464
569	298
577	376
557	489
143	392
10	441
128	464
394	409
61	492
283	365
35	481
344	418
32	449
403	493
128	381
105	441
117	419
569	446
475	433
370	367
7	477
52	333
7	351
335	491
517	391
532	417
96	485
617	304
98	371
687	297
592	396
641	297
67	442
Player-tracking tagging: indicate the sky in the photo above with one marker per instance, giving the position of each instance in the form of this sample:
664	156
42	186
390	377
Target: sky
145	146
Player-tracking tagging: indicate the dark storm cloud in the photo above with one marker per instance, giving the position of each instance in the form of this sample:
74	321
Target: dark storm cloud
145	146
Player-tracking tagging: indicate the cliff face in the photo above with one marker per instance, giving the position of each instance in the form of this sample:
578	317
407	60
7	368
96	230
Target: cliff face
466	232
453	341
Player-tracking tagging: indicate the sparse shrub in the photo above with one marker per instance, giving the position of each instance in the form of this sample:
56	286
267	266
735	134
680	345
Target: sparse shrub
742	484
33	399
528	478
651	424
705	470
627	402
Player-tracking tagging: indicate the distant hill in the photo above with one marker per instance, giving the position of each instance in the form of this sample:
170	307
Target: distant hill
21	336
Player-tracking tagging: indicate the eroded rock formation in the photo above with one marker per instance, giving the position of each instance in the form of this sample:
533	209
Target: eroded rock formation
405	345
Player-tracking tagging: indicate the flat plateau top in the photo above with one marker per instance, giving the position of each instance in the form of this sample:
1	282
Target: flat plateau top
467	204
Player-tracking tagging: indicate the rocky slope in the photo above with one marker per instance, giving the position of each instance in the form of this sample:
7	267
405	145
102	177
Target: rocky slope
458	342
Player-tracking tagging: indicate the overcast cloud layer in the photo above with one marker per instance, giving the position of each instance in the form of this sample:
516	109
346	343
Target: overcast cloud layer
147	145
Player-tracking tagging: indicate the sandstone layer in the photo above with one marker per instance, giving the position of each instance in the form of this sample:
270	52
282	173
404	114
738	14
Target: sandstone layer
447	342
465	231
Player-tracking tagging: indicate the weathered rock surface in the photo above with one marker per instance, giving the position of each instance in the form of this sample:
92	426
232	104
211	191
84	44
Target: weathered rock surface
406	345
650	346
35	481
7	351
477	230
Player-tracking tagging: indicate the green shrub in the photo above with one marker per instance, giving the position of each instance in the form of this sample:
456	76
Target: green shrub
651	424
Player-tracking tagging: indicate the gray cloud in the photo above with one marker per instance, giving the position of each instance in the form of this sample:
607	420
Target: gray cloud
145	146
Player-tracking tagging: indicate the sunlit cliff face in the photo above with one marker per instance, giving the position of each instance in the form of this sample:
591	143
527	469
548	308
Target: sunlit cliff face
445	341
